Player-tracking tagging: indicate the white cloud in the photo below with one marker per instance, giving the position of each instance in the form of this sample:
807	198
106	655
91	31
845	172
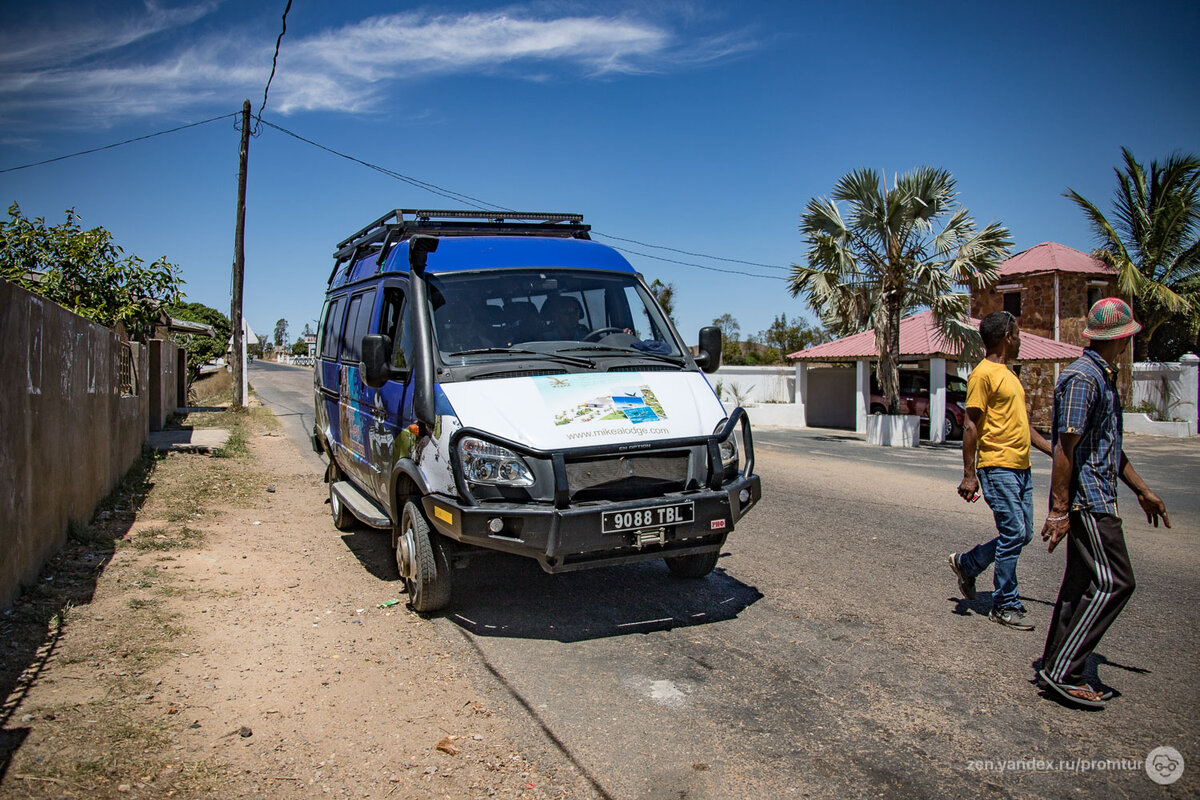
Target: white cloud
354	68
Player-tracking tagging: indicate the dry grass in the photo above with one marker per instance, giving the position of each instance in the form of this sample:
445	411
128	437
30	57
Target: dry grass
112	741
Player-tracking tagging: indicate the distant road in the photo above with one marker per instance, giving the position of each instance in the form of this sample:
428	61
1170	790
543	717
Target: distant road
288	391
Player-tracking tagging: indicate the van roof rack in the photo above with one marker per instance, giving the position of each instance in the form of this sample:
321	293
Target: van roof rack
395	227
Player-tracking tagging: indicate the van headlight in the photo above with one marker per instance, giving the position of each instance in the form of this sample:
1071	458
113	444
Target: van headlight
491	464
728	449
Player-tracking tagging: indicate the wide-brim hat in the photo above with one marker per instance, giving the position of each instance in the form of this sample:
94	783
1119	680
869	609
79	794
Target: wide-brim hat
1110	318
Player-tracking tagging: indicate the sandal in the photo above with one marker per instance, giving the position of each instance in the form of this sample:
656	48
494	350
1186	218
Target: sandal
1081	695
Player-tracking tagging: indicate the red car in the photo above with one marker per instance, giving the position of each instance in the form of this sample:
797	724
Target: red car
914	399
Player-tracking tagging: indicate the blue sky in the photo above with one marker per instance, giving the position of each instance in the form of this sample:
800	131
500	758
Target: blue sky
696	125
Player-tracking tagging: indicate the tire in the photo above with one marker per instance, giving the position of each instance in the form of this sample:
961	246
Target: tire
423	560
343	518
878	409
694	566
951	430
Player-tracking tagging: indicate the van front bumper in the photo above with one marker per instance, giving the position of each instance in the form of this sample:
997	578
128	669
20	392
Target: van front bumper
566	539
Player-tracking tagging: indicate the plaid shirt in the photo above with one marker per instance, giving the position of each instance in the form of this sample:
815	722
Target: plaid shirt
1086	402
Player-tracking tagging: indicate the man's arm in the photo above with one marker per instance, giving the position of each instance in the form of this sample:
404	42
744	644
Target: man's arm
1062	465
1040	442
1151	503
968	489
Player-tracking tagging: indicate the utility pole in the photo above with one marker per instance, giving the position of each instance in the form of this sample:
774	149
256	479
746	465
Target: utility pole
238	350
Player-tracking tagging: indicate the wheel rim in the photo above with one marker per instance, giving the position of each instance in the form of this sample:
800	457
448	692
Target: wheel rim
404	553
335	504
948	428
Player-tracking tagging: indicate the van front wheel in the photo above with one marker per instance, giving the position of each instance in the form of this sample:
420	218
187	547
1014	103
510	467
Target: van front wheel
693	566
423	558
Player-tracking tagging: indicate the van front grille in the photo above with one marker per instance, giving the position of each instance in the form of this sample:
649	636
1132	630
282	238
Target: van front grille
631	477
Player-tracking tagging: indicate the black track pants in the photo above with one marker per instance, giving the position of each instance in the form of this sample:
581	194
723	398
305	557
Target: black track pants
1097	585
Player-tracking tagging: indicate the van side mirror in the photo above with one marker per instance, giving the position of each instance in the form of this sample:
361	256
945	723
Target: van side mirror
709	357
376	359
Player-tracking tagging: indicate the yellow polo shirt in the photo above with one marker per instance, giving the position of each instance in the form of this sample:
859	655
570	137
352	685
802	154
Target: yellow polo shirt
1004	426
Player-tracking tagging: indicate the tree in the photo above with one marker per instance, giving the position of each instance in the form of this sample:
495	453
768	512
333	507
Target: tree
885	260
1153	241
300	347
281	332
728	326
665	294
202	349
790	336
83	270
731	348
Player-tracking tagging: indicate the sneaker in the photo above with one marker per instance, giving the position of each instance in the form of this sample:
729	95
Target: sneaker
1012	617
965	585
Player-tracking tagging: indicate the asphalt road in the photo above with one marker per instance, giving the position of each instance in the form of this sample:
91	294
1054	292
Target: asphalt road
829	655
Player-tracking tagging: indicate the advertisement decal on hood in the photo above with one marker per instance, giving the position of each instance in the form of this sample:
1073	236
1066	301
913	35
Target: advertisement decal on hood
574	410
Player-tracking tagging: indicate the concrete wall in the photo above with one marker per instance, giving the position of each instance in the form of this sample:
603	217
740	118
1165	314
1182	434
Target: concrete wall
756	385
1171	388
164	382
831	398
67	434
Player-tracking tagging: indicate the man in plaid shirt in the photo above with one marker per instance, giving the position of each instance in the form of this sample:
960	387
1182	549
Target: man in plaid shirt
1083	505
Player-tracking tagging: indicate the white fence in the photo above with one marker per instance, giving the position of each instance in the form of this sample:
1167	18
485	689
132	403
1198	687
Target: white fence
749	386
1172	390
298	361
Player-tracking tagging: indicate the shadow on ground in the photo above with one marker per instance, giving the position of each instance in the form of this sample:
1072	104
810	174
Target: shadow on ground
31	629
509	596
373	549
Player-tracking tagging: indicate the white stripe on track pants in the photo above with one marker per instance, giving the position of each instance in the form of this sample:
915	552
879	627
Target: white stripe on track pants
1097	584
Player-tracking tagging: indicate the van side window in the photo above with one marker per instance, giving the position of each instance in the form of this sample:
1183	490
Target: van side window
394	322
358	320
331	323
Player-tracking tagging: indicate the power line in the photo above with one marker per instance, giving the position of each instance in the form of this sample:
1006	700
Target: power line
689	253
119	144
449	194
483	205
689	264
274	62
441	191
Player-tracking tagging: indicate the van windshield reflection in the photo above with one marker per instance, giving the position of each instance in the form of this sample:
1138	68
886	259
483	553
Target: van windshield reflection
522	313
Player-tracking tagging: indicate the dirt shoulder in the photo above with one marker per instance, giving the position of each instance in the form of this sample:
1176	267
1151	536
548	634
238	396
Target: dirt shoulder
211	634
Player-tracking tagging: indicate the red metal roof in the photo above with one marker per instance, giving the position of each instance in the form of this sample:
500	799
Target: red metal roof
920	338
1053	257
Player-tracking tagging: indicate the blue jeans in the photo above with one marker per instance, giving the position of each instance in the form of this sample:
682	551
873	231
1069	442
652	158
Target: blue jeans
1009	493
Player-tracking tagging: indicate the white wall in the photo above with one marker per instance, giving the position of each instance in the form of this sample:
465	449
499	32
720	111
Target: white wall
756	385
1171	387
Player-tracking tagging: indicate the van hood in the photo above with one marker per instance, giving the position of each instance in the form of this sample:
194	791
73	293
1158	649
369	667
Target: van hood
550	412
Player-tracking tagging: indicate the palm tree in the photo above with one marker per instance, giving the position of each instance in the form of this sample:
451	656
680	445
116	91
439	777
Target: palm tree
886	259
1154	241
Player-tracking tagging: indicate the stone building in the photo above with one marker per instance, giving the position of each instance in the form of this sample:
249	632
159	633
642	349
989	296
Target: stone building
1050	288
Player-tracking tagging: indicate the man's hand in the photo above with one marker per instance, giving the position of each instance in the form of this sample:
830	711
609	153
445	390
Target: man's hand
969	488
1054	530
1154	507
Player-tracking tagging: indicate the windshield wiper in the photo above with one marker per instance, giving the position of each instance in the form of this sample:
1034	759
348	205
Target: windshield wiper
631	351
482	351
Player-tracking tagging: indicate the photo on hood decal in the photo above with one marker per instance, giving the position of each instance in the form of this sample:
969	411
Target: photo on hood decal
582	399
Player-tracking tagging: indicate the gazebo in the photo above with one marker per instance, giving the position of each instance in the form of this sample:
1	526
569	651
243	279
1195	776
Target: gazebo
920	341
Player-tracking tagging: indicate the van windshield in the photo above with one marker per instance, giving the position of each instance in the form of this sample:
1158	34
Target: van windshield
501	313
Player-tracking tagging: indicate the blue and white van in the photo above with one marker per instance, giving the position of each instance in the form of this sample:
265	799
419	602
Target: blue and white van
498	381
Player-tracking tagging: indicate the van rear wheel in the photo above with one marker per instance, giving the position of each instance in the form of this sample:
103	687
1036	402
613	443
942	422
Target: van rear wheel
693	566
423	558
343	518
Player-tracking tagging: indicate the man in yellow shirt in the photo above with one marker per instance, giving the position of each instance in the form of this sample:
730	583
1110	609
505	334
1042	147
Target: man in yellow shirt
996	439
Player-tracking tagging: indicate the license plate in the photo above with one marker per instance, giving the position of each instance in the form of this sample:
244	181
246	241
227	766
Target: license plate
642	518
